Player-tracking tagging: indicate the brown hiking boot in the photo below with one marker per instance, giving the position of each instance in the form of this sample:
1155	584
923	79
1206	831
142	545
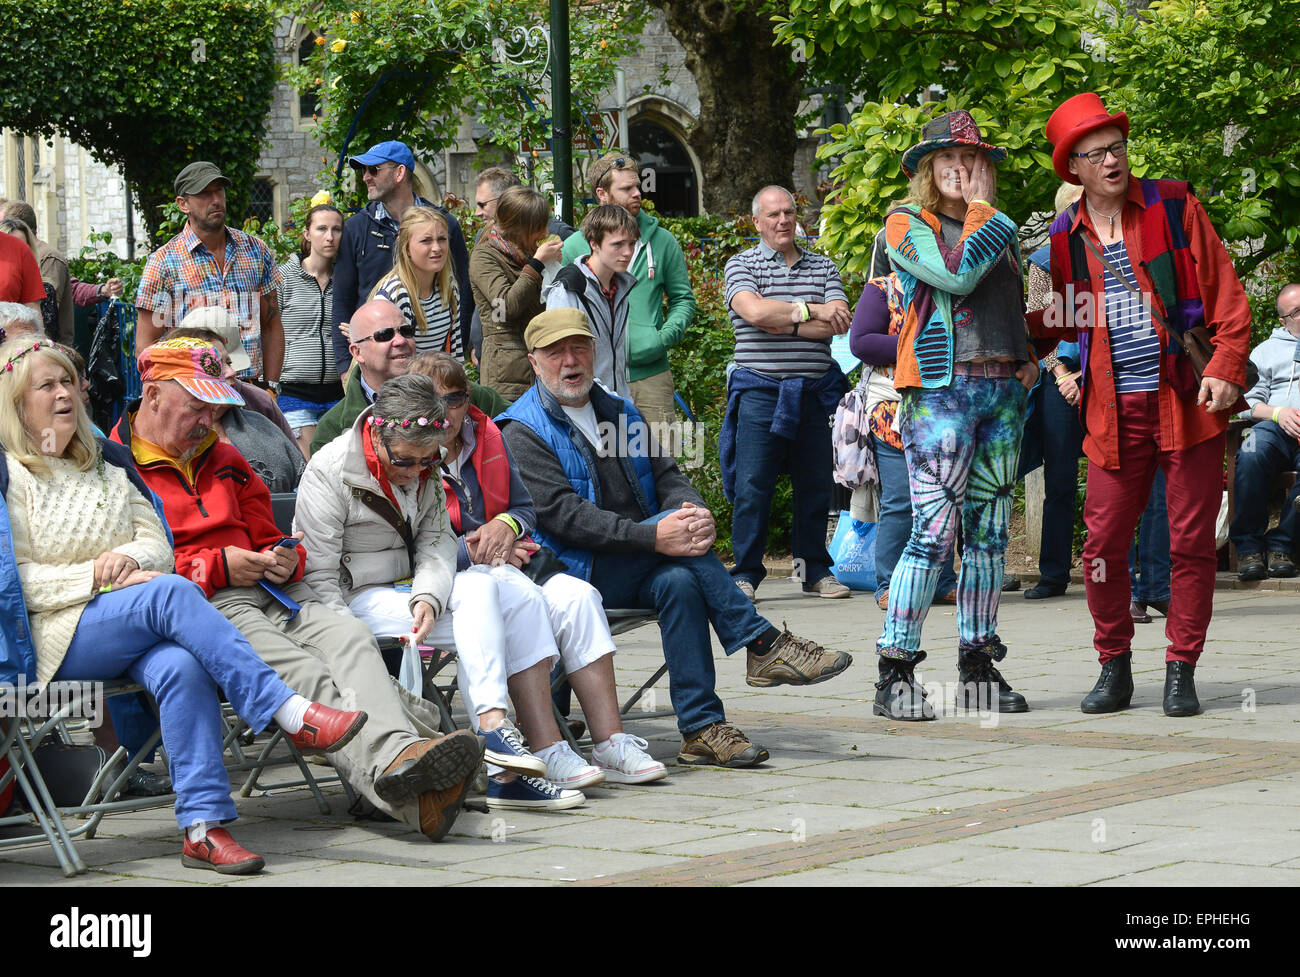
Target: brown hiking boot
795	661
721	744
436	764
439	808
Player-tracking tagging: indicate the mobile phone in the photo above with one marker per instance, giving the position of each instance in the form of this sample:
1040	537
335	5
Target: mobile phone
288	541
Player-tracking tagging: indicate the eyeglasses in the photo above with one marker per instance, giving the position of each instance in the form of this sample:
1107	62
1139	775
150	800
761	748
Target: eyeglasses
398	461
1284	316
1097	156
455	399
482	204
386	334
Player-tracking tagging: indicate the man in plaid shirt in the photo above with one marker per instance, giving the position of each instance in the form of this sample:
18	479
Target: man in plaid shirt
208	263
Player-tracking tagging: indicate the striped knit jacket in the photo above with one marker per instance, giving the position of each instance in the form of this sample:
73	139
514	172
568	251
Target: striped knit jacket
931	274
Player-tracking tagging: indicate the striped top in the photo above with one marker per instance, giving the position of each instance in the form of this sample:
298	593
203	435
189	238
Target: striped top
1134	344
439	334
305	312
763	271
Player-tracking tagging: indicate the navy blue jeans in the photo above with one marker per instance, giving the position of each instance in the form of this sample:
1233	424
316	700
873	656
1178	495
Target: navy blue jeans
761	457
1265	452
1148	558
689	594
894	525
1062	444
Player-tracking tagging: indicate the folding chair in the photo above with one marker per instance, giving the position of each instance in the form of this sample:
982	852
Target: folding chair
620	621
21	737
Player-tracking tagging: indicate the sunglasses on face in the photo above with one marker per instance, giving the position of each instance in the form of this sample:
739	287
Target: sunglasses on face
398	461
372	170
455	399
386	334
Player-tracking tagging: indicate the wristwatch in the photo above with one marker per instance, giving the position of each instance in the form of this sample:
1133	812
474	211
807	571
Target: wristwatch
273	386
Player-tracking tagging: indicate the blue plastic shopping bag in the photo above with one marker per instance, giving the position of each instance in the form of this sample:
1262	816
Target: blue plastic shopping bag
853	549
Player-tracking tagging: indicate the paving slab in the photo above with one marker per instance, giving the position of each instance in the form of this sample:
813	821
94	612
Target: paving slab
1049	797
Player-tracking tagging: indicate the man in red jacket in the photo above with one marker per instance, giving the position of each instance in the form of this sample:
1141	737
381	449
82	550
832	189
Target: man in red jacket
1135	266
227	542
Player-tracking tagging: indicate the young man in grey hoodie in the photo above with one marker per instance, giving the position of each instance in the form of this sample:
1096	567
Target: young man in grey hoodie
1271	446
600	285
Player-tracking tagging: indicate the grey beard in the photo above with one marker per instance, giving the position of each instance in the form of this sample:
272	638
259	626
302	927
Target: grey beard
570	399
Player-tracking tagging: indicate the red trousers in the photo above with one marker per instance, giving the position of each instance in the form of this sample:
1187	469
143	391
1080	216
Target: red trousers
1115	500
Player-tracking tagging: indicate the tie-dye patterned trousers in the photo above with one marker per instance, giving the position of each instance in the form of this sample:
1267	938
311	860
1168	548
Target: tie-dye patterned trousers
962	444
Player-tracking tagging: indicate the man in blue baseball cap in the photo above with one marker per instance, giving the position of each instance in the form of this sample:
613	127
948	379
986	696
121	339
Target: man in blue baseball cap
370	239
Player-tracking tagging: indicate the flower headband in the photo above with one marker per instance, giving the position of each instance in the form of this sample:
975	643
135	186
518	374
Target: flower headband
39	344
392	423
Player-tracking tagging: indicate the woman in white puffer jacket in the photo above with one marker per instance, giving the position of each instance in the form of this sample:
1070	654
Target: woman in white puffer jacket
371	507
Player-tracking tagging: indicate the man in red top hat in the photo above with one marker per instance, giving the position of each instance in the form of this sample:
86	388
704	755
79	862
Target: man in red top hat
1136	266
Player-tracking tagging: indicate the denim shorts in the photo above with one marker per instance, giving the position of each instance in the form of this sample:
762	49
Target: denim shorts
302	413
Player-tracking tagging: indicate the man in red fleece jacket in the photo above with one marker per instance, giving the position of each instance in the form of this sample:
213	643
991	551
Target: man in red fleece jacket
225	539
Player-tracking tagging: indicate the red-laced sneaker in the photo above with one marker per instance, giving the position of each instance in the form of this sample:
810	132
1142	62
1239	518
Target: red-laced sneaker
219	852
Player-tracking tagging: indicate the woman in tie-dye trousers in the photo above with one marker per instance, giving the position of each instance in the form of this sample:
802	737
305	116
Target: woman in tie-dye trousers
964	368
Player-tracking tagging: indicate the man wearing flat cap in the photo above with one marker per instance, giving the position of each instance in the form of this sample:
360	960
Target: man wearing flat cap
226	541
208	263
370	240
618	512
1138	272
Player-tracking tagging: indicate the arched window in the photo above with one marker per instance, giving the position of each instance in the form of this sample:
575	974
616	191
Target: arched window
675	185
309	103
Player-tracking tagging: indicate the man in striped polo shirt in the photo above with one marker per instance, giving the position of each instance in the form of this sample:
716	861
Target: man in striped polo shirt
786	304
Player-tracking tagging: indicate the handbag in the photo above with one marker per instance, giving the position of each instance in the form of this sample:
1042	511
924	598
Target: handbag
543	565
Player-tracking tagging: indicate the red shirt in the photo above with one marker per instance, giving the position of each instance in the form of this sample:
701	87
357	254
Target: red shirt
20	275
1227	315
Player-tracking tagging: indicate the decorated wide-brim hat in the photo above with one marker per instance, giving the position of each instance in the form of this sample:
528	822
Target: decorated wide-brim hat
947	130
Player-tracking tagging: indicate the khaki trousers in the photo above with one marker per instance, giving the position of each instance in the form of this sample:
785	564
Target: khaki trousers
332	658
653	397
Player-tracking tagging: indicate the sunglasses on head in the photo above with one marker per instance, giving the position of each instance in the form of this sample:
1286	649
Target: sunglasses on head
455	399
386	334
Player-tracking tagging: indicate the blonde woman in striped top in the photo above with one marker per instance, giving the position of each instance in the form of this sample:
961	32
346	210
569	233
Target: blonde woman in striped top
421	284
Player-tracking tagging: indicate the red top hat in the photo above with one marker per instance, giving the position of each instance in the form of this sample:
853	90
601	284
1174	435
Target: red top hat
1074	119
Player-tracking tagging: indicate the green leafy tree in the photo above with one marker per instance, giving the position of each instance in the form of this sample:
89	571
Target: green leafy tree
408	68
147	85
1008	62
1212	89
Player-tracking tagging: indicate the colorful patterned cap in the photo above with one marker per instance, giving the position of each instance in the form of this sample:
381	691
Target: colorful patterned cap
950	129
192	363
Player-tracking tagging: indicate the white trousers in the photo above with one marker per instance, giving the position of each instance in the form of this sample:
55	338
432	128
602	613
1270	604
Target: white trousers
500	623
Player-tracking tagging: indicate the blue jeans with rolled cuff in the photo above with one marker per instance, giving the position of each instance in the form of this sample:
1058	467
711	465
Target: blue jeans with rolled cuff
165	636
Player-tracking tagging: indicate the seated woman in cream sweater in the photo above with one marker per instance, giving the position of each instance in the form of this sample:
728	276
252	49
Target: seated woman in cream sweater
95	566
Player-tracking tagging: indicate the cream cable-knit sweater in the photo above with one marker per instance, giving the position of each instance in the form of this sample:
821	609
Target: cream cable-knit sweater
61	523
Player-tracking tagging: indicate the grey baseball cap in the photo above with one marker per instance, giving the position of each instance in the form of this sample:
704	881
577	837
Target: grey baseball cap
196	177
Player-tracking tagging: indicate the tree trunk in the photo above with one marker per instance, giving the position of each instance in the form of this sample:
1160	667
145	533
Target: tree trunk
749	93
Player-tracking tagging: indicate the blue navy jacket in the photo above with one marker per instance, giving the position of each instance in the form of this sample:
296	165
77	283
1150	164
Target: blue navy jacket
541	413
786	417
